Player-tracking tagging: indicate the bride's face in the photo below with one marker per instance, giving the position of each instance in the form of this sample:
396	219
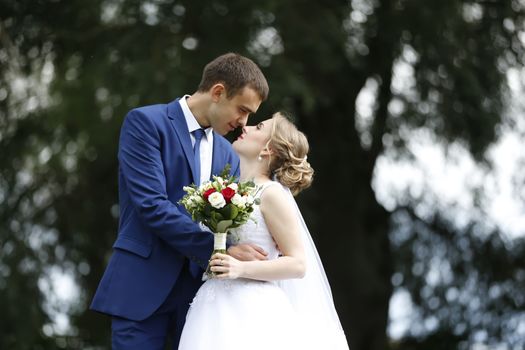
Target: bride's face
253	139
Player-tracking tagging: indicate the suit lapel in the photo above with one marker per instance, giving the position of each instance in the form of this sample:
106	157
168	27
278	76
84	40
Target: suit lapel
178	121
216	163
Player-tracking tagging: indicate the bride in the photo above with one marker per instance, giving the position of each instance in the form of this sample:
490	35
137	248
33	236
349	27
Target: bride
284	302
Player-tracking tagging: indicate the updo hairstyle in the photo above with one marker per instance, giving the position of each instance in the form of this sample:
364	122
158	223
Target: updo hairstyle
288	161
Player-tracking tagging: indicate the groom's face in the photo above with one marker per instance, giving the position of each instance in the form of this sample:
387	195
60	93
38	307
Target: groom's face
228	114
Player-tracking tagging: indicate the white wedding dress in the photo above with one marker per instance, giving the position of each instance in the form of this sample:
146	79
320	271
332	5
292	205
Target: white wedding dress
245	314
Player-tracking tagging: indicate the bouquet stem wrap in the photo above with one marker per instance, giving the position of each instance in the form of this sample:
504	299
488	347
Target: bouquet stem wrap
219	242
219	246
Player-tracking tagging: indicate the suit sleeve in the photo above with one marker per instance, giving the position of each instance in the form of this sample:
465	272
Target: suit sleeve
141	164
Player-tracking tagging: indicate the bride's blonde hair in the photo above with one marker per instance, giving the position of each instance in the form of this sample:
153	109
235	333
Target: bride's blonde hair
288	160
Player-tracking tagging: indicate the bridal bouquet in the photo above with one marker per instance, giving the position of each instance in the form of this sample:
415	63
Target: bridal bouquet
220	205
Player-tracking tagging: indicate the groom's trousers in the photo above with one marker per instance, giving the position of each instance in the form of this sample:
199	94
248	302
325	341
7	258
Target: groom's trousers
167	321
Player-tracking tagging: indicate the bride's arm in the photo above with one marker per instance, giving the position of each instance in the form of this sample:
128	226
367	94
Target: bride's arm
282	222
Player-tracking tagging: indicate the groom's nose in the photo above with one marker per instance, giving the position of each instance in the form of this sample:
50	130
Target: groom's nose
242	121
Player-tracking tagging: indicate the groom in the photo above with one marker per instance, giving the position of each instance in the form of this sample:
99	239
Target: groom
160	253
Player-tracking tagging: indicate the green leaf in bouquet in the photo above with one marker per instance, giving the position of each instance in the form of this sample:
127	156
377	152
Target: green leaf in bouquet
208	209
225	173
211	223
223	225
249	184
197	216
230	211
217	216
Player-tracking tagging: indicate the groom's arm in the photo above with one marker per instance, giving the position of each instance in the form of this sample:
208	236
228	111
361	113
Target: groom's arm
141	165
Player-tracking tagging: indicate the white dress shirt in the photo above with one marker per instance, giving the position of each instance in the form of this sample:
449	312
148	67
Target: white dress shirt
206	149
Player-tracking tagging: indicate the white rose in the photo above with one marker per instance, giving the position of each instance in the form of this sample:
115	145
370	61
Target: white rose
238	200
233	186
249	199
217	200
188	189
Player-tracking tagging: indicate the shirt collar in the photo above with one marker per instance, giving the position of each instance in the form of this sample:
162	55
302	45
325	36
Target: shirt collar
191	121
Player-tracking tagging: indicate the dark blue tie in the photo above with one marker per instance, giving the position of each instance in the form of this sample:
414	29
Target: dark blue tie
195	270
198	134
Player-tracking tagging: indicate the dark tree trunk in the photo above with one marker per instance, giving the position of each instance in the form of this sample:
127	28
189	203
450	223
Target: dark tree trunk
352	236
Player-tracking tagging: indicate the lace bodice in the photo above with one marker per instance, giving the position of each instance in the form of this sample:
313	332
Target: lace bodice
255	231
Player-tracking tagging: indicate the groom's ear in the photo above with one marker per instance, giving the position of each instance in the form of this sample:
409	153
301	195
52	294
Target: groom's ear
216	91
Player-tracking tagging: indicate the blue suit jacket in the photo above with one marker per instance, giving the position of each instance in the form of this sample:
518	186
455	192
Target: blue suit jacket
156	235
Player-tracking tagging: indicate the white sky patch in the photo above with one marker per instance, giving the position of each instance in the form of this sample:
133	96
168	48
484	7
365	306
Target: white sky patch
435	179
62	292
450	179
400	311
266	43
505	207
365	111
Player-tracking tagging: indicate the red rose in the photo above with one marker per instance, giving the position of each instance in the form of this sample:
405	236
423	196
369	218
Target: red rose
228	193
207	193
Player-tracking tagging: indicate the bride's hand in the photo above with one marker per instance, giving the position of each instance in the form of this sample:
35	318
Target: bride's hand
226	266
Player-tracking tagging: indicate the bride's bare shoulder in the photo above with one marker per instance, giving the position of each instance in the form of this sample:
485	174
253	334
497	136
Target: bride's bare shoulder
273	197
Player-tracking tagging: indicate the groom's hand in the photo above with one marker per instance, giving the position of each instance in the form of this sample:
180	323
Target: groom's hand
247	252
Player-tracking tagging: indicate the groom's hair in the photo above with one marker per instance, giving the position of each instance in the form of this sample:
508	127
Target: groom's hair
236	72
